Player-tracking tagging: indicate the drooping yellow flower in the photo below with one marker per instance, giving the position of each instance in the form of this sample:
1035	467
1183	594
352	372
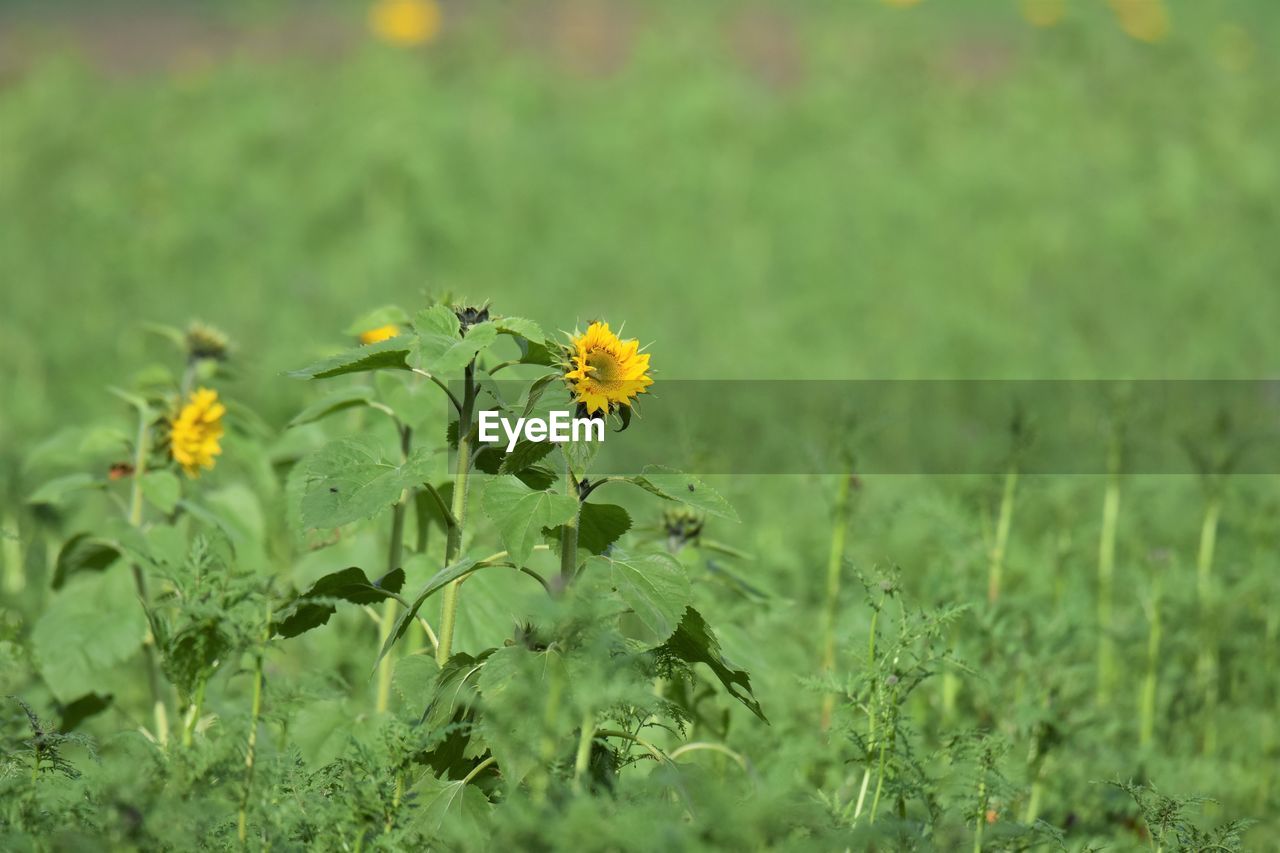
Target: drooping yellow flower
1144	20
405	23
194	433
604	371
1043	13
382	333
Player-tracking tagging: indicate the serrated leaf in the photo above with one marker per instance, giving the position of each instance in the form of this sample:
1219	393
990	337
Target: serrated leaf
684	488
391	354
694	642
521	512
55	491
345	399
89	626
456	806
348	480
655	586
443	578
455	688
162	489
413	679
600	525
442	349
83	553
524	454
520	327
314	607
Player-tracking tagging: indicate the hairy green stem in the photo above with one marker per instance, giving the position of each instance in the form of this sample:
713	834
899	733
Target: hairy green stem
1207	663
569	534
835	561
159	711
193	713
395	550
1147	702
457	512
583	757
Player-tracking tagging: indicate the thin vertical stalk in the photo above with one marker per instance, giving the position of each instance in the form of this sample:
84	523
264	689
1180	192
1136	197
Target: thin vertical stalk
1106	576
1207	663
193	713
395	550
255	713
1147	704
835	561
15	575
159	711
458	510
871	714
980	824
995	569
583	757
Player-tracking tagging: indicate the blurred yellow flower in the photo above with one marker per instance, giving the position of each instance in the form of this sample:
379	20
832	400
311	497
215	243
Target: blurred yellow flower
405	22
1144	20
1043	13
194	433
1235	47
382	333
606	370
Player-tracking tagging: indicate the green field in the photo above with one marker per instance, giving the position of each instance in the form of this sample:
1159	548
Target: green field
759	192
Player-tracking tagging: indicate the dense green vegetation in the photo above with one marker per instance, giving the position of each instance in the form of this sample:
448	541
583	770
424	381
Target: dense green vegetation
827	191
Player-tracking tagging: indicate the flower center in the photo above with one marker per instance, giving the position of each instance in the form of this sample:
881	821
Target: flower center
604	365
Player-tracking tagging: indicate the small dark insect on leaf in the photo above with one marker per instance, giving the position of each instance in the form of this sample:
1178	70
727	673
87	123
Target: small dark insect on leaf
691	487
332	489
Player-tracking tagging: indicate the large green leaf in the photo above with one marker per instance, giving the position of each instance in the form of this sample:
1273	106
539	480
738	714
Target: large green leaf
520	327
442	348
655	586
349	479
684	488
83	553
91	625
162	489
458	808
314	607
391	354
443	578
521	512
694	642
56	491
600	525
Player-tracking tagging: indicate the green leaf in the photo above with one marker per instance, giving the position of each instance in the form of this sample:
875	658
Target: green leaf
443	578
413	679
387	315
457	807
442	349
655	586
521	513
89	626
55	491
600	525
537	388
524	454
684	488
520	327
694	642
542	353
83	553
314	607
391	354
74	713
163	489
345	399
455	688
348	480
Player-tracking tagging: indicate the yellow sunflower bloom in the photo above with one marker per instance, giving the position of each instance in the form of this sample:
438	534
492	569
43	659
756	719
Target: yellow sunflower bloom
405	22
195	432
604	371
382	333
1144	20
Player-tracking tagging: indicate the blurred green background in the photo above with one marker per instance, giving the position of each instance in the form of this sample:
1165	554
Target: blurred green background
761	190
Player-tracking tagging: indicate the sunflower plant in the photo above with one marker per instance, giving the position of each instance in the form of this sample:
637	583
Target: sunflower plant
565	664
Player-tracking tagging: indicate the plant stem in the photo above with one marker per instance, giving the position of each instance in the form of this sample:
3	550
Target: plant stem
193	714
1147	726
255	713
982	814
835	561
1106	575
995	569
15	576
569	534
159	711
458	511
583	758
1208	657
871	713
395	551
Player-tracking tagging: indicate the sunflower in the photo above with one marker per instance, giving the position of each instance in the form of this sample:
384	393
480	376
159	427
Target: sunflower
194	433
405	22
604	371
382	333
